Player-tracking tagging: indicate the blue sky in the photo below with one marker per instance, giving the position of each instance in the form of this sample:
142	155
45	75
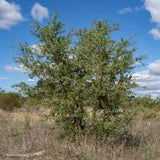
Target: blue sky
137	18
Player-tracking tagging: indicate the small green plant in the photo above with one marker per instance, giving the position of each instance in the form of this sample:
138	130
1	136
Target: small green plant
83	156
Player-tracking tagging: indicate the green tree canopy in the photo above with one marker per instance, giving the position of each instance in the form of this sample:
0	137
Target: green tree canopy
78	69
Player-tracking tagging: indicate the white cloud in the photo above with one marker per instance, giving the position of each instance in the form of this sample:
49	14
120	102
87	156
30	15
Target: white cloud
39	12
3	78
149	80
155	32
130	10
153	6
12	68
31	80
154	68
125	10
10	14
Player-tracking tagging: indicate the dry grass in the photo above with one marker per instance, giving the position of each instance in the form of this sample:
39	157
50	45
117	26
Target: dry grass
26	133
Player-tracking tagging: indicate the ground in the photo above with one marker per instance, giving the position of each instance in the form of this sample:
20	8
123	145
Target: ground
26	134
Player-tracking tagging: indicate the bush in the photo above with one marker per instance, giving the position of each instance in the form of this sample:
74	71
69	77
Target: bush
95	69
10	101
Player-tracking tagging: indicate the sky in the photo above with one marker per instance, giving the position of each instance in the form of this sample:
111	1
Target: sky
139	19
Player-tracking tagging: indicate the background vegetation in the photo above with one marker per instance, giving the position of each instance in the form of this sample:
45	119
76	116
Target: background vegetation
10	101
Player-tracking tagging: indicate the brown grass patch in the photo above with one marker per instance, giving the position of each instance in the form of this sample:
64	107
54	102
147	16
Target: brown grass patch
25	136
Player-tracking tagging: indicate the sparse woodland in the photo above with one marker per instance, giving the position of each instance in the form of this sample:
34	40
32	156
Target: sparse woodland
82	106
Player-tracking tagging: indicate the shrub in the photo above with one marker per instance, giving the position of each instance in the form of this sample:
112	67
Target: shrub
10	101
78	68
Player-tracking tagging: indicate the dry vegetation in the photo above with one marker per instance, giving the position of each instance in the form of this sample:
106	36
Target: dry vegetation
25	134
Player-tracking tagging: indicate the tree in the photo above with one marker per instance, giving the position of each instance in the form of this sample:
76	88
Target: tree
80	68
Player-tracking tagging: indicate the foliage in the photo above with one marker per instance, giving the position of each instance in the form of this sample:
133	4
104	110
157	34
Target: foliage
80	68
111	130
10	101
146	108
